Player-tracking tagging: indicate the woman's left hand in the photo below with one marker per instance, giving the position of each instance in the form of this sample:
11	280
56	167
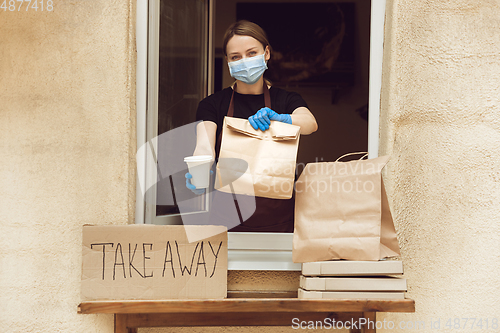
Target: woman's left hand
262	119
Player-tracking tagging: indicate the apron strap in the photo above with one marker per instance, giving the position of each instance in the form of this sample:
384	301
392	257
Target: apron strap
230	111
267	100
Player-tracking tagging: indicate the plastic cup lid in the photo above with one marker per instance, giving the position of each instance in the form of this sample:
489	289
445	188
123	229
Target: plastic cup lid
199	158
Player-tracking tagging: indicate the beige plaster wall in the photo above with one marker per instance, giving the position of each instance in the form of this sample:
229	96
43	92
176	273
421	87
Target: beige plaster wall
67	127
67	146
440	123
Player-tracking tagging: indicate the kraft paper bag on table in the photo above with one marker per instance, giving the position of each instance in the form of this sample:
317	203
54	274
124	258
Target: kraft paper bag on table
342	212
257	163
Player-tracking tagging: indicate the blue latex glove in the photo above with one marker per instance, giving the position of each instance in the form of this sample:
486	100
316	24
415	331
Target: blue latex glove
262	119
197	191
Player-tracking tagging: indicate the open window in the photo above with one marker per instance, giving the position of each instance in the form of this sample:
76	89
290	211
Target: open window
180	61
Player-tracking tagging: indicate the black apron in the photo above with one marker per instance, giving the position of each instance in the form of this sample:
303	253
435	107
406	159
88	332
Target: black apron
271	215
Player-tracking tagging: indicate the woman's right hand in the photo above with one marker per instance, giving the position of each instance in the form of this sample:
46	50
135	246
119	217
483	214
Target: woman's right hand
197	191
262	118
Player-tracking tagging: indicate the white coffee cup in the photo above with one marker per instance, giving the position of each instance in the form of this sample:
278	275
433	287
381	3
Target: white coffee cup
199	168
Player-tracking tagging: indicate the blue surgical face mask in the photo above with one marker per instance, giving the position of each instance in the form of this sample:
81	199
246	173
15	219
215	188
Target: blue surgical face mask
248	70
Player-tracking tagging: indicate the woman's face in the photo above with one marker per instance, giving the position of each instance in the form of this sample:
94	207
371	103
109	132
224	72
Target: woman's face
240	47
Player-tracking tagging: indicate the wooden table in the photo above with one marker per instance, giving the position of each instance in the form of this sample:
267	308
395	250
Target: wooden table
129	315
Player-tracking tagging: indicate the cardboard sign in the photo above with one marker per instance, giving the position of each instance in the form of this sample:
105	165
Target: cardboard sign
153	262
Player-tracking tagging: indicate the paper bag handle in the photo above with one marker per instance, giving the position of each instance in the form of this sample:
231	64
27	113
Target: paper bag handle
365	154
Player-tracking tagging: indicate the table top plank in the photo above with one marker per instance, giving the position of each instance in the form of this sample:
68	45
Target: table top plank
251	305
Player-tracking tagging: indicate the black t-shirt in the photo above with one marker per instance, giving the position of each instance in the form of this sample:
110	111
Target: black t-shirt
271	215
214	107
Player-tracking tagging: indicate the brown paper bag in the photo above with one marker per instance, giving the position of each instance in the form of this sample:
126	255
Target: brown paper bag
257	163
342	212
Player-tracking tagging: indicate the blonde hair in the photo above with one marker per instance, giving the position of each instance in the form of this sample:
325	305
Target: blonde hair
245	28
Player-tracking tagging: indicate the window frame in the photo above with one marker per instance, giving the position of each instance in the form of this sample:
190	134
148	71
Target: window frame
246	251
151	118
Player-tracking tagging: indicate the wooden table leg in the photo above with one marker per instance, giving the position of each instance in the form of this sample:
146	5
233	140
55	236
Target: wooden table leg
121	324
352	321
371	324
354	330
368	325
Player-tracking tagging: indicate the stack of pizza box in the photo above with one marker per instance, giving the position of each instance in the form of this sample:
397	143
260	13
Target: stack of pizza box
344	279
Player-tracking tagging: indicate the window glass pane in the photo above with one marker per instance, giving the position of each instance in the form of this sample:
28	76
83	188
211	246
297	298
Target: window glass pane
320	49
182	68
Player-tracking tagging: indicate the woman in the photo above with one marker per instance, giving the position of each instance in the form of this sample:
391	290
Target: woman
247	51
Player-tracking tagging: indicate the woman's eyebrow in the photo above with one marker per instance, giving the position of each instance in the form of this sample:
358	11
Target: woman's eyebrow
236	53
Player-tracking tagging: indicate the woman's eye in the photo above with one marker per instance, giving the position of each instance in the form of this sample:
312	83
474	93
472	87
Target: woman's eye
252	53
233	58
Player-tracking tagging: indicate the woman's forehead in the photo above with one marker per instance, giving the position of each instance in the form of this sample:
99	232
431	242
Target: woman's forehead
239	43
